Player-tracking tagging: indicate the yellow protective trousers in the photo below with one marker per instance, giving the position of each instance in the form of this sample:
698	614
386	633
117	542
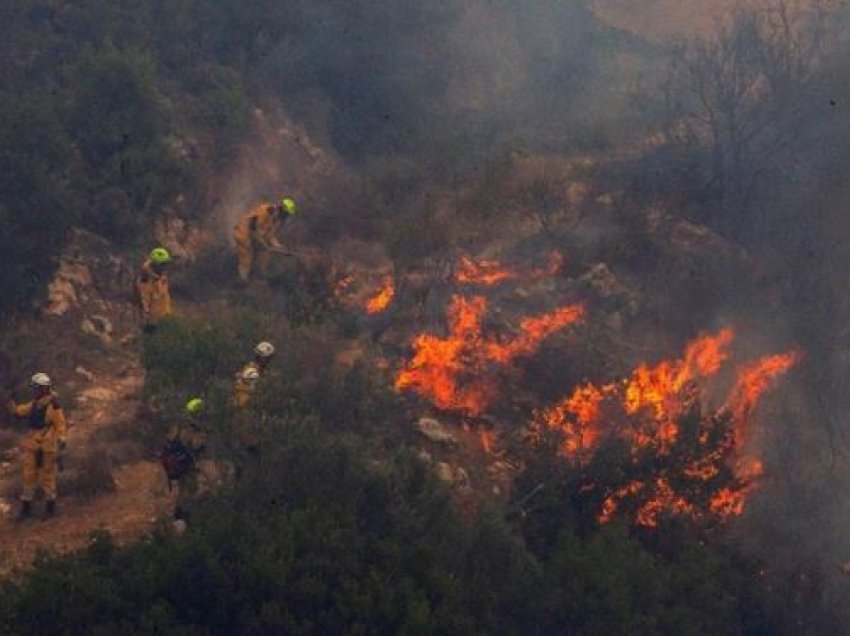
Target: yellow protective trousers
249	257
38	468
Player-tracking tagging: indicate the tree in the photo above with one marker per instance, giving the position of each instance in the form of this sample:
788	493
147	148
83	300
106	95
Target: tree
737	100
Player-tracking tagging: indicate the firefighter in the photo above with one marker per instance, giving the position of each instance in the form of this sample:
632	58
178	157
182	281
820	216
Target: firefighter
246	379
186	441
244	387
42	445
256	236
152	288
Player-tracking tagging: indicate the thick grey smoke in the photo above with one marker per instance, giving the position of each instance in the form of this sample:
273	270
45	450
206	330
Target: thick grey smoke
460	82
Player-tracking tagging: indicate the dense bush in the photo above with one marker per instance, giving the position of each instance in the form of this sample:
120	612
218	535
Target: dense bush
321	538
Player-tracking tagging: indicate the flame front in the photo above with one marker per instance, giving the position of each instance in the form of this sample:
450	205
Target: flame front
662	391
656	412
753	380
457	372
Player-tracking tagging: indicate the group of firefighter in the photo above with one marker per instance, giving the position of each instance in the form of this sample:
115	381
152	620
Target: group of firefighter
42	449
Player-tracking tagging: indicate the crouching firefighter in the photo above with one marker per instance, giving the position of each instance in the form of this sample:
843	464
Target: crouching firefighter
41	448
186	440
256	236
247	424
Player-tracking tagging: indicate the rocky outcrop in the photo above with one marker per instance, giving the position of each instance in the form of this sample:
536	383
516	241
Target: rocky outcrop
90	276
434	431
184	240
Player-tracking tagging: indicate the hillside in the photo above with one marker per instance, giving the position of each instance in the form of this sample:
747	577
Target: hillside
559	325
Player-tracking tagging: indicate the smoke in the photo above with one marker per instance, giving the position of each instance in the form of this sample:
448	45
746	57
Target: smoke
434	90
408	77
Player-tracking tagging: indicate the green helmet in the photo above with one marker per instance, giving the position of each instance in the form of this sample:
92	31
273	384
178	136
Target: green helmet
287	204
194	406
160	256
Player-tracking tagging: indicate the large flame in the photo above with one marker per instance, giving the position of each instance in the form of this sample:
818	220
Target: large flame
710	473
660	390
456	372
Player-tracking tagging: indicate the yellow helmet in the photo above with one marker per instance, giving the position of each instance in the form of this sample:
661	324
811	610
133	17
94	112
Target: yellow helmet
194	406
287	204
160	256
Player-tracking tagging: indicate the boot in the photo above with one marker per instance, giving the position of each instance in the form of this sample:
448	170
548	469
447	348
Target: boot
49	508
26	511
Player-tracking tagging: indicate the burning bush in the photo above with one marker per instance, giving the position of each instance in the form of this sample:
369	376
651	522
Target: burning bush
671	459
458	372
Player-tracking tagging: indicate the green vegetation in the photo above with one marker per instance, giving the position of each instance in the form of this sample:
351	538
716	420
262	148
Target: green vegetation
319	538
338	528
114	112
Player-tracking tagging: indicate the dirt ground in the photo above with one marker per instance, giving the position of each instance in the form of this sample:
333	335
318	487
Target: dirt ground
100	411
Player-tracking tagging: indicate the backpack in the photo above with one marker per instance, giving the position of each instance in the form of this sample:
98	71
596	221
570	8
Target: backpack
177	459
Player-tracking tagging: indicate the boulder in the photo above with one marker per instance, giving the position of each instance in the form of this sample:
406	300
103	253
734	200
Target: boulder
453	475
436	432
184	241
85	373
89	274
99	326
70	285
97	394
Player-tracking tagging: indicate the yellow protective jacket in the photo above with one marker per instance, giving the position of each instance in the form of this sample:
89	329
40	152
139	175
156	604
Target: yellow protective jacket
46	421
243	390
154	294
258	228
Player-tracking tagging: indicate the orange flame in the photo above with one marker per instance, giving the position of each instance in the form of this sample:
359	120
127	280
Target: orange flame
487	439
658	390
455	372
485	273
532	331
343	284
753	380
380	301
488	273
646	410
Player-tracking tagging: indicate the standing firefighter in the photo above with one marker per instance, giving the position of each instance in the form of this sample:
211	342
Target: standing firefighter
152	288
244	387
186	440
256	236
41	447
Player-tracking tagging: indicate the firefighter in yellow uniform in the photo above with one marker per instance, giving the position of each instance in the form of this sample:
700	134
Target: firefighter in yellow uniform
256	236
40	449
186	441
244	387
152	288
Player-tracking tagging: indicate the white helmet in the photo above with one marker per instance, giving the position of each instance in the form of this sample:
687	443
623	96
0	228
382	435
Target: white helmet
264	349
41	380
250	375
